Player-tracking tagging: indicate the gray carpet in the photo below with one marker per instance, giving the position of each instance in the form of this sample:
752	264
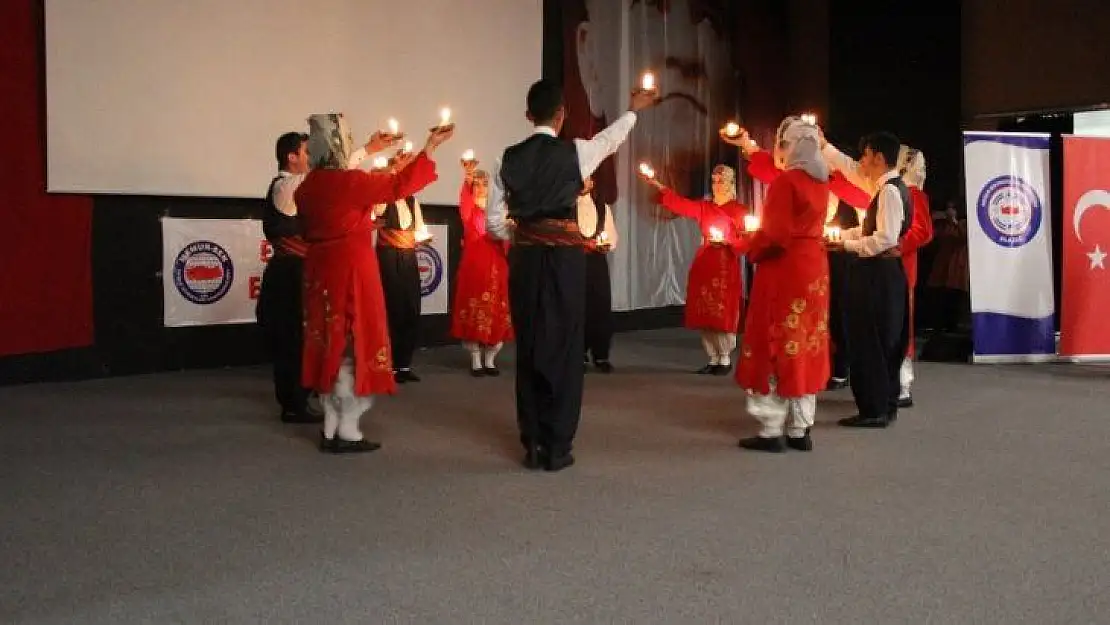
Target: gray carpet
179	498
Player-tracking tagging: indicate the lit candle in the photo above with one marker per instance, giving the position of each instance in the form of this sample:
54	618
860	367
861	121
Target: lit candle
751	223
394	127
646	170
832	233
468	155
381	162
809	118
715	234
407	148
647	83
732	129
444	117
603	238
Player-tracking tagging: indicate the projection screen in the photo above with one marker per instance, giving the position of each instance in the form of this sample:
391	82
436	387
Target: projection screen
165	98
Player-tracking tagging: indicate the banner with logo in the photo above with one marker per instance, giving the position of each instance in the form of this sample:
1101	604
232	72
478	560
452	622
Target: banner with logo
1009	246
211	270
1084	332
432	260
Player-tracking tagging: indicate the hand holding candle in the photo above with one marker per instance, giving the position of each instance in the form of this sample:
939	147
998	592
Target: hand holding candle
832	234
809	118
444	121
380	163
646	171
732	129
468	156
394	129
603	240
647	82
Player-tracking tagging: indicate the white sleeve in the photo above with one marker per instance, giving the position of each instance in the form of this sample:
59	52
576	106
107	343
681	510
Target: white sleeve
284	189
843	163
418	216
357	157
497	211
888	223
611	234
592	151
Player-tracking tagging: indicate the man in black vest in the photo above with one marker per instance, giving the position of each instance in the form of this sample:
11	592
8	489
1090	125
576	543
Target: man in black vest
877	290
402	225
595	219
840	263
533	200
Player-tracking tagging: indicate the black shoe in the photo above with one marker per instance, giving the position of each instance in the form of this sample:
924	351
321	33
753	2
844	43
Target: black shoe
721	369
707	370
865	422
533	457
835	384
326	444
604	366
405	375
478	373
800	443
300	416
758	443
558	463
905	402
340	446
492	372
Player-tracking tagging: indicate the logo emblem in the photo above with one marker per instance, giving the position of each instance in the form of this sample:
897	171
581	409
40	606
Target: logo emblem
1009	211
203	272
430	265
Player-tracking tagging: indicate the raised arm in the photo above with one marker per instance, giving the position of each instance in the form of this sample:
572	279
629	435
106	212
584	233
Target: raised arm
775	227
921	229
466	202
847	166
374	187
683	207
604	144
848	192
761	166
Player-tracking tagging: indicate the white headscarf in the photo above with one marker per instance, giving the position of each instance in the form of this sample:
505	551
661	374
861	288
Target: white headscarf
798	146
329	141
911	166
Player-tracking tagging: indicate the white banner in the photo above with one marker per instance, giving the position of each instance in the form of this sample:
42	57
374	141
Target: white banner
1010	246
435	277
211	270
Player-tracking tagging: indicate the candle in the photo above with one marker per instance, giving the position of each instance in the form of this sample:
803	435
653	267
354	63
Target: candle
646	170
394	127
732	129
809	118
751	223
468	155
832	233
445	117
407	148
380	162
647	83
715	234
602	239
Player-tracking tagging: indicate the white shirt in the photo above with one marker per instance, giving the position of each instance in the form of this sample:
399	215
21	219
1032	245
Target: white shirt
889	213
405	214
590	154
587	220
287	184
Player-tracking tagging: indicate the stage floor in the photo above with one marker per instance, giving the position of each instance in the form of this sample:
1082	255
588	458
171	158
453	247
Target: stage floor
180	498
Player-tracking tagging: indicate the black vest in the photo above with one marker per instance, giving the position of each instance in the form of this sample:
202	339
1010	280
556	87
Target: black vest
542	179
276	225
391	219
869	221
846	217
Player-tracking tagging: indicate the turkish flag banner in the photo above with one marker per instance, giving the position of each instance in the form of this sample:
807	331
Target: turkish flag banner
1085	292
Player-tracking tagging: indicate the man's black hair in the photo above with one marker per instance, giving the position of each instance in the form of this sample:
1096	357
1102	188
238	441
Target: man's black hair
288	143
884	143
544	99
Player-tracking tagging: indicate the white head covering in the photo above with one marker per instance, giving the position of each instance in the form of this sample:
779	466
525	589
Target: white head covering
729	176
911	166
798	146
329	141
481	174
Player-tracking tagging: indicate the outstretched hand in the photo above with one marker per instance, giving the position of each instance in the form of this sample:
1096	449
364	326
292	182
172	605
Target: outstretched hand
652	180
438	137
380	141
640	100
742	140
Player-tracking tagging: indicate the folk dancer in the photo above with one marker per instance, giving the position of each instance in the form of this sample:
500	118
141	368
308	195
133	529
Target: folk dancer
911	166
480	315
347	350
536	185
878	319
784	359
595	220
401	228
714	285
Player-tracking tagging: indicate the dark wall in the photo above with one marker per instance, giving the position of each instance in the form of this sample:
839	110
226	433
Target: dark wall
1031	55
897	68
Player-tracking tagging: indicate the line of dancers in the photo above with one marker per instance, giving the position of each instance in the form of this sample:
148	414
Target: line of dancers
533	264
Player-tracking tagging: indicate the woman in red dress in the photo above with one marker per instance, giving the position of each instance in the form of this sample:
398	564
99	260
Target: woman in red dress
713	290
911	166
346	337
480	314
784	357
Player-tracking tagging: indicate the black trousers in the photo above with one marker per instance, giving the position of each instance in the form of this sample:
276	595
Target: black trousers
401	284
839	303
280	316
547	298
599	306
878	330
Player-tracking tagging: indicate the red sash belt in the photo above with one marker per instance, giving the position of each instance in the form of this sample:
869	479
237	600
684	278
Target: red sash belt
550	233
400	239
291	246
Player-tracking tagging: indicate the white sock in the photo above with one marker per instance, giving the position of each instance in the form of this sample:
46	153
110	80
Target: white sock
331	414
475	355
353	409
709	344
491	355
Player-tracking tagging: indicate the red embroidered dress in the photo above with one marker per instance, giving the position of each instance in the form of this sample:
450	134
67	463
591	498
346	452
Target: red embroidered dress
480	313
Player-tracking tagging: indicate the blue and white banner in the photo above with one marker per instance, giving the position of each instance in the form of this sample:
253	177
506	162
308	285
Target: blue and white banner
1010	246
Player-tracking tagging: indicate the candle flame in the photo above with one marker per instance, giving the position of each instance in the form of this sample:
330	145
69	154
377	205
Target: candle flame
809	118
445	116
394	127
468	155
751	223
380	163
648	81
646	170
732	129
408	147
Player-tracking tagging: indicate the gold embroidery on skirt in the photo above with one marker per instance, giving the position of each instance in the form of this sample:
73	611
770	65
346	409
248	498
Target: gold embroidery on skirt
791	321
798	305
791	348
